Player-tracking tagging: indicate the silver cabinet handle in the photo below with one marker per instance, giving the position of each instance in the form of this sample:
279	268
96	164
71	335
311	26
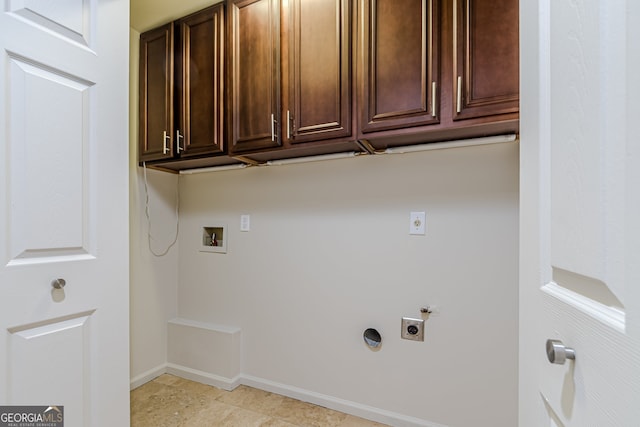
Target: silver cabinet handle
178	138
433	99
557	352
459	95
273	128
58	283
288	124
165	147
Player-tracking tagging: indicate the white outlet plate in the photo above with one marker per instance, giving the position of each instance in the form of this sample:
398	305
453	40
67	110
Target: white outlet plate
245	222
417	223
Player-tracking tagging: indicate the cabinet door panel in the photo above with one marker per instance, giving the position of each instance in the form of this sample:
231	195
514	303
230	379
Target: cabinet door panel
200	68
320	70
486	59
156	94
399	63
255	74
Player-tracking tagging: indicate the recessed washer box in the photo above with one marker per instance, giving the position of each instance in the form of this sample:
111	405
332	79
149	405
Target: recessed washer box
214	238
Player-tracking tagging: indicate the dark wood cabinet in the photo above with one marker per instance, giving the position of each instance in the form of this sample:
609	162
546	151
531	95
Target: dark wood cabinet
299	77
254	74
182	88
200	82
437	70
291	77
318	72
486	58
399	60
156	94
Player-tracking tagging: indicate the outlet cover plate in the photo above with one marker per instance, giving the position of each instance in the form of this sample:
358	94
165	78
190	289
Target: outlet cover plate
417	223
410	325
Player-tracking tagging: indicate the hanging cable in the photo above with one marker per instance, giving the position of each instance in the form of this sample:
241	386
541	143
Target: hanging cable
148	214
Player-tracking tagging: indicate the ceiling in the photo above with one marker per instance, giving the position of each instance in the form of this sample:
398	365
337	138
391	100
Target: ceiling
147	14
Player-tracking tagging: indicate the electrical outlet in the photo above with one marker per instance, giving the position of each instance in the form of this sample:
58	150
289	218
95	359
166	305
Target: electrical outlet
417	223
412	329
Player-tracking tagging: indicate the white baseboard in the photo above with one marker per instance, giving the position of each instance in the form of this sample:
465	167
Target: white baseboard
203	377
346	406
147	376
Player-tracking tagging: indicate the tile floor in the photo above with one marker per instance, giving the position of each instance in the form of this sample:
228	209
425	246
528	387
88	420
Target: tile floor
170	401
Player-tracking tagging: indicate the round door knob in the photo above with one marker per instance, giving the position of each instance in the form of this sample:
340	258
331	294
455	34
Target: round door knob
58	283
558	353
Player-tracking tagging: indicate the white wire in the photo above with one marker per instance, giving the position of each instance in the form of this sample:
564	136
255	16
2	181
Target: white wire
148	215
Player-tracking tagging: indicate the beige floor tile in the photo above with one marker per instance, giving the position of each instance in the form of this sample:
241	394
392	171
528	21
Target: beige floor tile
239	417
352	421
274	422
210	415
253	399
196	388
166	379
170	406
170	401
143	392
306	414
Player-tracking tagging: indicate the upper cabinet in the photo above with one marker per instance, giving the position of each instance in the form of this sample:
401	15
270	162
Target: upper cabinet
182	88
307	77
399	58
200	82
254	58
291	77
156	94
485	58
317	77
436	70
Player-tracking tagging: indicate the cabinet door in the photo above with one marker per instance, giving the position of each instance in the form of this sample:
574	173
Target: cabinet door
319	69
156	94
200	82
486	58
255	74
399	80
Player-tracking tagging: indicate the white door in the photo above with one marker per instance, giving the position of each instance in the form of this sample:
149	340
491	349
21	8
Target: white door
64	207
580	212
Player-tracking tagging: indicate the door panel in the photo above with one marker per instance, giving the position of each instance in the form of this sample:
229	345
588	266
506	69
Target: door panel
64	208
49	183
68	18
580	240
51	359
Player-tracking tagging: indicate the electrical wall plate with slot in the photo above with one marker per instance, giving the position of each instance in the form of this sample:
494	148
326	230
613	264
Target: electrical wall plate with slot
412	329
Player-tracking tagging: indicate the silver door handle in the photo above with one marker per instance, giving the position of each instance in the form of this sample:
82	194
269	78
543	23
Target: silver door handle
557	352
58	283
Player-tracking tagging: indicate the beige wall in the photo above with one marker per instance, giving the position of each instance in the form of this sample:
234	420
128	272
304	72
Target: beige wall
329	255
154	280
